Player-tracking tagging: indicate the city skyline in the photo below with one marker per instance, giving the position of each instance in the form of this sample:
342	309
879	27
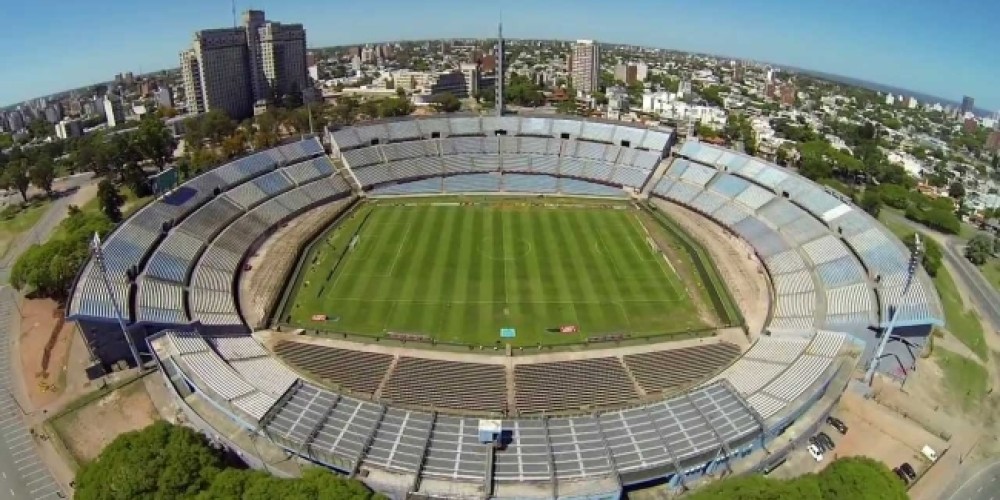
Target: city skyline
915	52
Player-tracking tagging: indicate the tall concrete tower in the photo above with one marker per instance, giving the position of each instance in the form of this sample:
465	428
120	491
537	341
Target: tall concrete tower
500	70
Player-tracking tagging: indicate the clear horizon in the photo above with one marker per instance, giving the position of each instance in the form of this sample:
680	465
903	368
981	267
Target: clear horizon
916	52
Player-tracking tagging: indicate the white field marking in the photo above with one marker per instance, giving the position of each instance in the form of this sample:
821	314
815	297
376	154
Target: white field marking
469	302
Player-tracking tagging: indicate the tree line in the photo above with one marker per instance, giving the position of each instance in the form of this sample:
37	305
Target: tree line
170	461
854	478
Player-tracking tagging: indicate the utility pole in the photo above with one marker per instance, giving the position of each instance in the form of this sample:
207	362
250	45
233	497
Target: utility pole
98	253
911	271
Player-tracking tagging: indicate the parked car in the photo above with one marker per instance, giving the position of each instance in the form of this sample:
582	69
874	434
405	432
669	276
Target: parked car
908	470
820	445
837	424
815	452
825	439
901	475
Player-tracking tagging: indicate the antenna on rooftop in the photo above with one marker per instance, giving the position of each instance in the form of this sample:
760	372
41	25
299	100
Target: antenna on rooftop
500	71
234	14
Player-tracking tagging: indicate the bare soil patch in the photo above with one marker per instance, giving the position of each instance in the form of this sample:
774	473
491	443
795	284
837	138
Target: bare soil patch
44	349
87	430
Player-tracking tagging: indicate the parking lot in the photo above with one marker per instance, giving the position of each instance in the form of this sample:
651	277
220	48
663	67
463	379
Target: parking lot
873	431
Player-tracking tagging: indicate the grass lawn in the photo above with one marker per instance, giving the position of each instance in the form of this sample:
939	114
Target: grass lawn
966	380
991	270
962	322
14	225
459	272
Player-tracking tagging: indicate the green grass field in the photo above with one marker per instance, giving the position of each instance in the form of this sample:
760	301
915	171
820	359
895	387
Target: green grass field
460	272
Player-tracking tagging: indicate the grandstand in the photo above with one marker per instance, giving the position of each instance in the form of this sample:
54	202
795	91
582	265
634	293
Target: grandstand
406	423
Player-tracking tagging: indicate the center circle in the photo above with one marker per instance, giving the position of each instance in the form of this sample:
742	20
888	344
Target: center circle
510	251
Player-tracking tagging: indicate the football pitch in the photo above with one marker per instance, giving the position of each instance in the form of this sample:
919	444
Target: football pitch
462	272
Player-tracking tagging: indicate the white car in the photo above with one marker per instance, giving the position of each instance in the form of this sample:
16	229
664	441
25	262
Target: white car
814	451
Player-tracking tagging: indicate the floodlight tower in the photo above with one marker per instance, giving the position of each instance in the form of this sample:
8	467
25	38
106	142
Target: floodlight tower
911	271
95	248
499	77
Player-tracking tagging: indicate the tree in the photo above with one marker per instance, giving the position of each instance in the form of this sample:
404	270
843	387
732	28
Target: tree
855	477
169	461
110	200
979	249
956	190
50	268
16	176
154	141
871	202
446	102
42	173
160	461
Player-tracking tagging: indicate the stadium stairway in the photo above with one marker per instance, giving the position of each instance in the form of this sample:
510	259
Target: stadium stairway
654	179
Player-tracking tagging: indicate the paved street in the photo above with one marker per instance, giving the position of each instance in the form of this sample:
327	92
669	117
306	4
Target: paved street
986	298
983	485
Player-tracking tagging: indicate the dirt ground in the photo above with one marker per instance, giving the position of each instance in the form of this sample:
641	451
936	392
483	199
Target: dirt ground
880	433
874	431
126	409
44	348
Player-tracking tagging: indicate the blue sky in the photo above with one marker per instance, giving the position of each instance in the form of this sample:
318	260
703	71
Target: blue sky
940	48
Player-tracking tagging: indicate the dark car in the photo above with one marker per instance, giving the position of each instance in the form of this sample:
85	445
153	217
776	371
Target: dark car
901	475
837	424
908	470
825	439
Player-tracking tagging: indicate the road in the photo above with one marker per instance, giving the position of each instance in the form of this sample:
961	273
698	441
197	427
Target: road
983	485
985	298
48	222
23	475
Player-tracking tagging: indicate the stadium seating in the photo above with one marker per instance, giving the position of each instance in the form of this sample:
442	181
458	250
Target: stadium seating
447	384
586	383
357	371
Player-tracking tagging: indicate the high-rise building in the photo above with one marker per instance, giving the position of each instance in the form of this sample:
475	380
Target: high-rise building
233	68
69	128
968	105
586	66
163	97
191	78
113	111
471	73
641	71
739	71
627	73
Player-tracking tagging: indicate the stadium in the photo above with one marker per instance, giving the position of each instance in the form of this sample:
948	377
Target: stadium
504	307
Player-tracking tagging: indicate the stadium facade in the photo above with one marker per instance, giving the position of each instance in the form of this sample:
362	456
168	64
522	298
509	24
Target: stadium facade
836	274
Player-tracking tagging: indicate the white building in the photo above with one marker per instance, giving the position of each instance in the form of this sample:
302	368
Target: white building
909	163
114	111
163	97
471	73
69	128
890	99
666	105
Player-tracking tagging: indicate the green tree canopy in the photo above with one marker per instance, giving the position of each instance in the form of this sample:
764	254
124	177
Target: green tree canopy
49	269
979	249
43	173
168	461
852	478
15	176
446	102
110	200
